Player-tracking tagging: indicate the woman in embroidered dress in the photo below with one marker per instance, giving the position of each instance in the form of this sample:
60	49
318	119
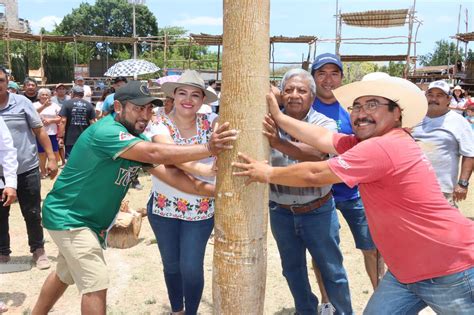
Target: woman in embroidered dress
183	222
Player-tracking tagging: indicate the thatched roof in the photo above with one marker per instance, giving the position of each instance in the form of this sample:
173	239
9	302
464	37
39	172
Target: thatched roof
360	58
65	39
465	37
376	18
434	69
214	40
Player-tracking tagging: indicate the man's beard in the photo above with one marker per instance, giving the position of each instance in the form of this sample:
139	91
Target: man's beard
129	126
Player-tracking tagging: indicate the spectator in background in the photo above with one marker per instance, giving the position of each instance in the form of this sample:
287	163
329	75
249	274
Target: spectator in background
100	103
87	89
168	105
457	100
447	139
213	88
49	113
60	95
470	114
30	89
25	126
76	115
13	87
117	83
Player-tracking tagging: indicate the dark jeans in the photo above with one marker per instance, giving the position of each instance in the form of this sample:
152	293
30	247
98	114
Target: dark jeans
182	246
29	198
67	150
318	232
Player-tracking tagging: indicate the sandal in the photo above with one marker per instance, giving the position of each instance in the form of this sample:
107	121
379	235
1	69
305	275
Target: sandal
3	307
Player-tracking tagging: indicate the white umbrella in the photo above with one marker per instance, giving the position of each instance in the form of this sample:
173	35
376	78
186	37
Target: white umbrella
131	67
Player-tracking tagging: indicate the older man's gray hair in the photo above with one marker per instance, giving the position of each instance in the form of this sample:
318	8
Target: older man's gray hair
298	72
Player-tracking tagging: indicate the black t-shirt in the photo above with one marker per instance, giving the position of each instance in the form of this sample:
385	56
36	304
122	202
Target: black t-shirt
78	112
33	98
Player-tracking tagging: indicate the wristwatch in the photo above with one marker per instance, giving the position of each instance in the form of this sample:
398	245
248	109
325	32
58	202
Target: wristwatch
463	183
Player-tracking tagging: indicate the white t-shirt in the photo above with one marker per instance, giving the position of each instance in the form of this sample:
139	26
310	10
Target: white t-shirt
445	139
457	106
51	111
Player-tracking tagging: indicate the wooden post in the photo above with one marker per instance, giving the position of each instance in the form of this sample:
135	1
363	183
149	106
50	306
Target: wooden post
218	61
411	18
240	231
165	54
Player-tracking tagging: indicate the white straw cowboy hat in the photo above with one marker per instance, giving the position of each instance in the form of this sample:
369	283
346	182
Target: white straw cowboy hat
407	95
189	78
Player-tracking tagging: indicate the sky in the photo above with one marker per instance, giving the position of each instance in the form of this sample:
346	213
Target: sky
290	18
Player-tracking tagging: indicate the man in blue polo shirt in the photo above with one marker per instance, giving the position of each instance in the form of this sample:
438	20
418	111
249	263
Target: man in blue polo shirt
327	71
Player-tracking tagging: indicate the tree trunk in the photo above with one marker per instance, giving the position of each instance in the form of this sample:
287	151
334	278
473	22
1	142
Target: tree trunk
241	217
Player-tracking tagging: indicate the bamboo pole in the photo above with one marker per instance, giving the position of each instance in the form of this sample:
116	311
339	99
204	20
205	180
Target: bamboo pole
240	231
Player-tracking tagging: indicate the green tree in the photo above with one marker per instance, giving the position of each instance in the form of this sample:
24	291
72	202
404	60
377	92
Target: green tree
395	69
443	54
354	71
109	18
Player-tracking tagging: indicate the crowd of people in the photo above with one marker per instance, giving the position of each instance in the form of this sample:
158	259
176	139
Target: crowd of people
393	159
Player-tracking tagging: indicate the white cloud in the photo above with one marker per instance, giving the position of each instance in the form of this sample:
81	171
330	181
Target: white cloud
199	21
48	22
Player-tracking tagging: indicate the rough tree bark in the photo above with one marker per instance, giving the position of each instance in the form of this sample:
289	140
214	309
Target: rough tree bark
240	231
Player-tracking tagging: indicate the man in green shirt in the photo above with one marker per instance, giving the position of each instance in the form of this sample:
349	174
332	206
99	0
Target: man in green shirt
79	211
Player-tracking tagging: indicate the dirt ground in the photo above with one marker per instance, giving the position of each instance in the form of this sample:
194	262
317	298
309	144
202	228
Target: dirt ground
137	284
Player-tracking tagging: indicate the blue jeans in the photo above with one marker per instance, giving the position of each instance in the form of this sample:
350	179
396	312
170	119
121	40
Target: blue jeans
354	213
317	231
29	198
182	246
451	294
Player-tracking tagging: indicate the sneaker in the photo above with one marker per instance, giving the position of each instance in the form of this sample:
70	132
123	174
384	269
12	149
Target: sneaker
4	259
326	309
40	259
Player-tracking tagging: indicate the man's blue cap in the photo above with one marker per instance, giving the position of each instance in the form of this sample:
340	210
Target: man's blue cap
325	59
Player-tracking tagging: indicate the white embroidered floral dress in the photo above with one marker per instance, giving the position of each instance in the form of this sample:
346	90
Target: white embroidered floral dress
168	201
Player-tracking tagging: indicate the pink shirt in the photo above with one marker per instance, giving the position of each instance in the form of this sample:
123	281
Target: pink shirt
418	233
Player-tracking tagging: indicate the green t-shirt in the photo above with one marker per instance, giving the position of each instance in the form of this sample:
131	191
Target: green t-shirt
94	181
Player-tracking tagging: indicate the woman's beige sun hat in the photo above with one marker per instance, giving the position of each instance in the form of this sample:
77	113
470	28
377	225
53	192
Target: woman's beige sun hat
189	78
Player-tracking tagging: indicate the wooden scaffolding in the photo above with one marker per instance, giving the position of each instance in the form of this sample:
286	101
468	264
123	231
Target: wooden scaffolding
379	19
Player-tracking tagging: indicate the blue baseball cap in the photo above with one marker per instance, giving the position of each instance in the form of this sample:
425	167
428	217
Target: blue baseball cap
325	59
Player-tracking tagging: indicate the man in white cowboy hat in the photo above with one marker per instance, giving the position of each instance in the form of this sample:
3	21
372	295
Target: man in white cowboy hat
427	244
447	137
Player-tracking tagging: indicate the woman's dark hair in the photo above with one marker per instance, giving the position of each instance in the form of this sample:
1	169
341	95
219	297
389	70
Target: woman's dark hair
106	92
455	97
